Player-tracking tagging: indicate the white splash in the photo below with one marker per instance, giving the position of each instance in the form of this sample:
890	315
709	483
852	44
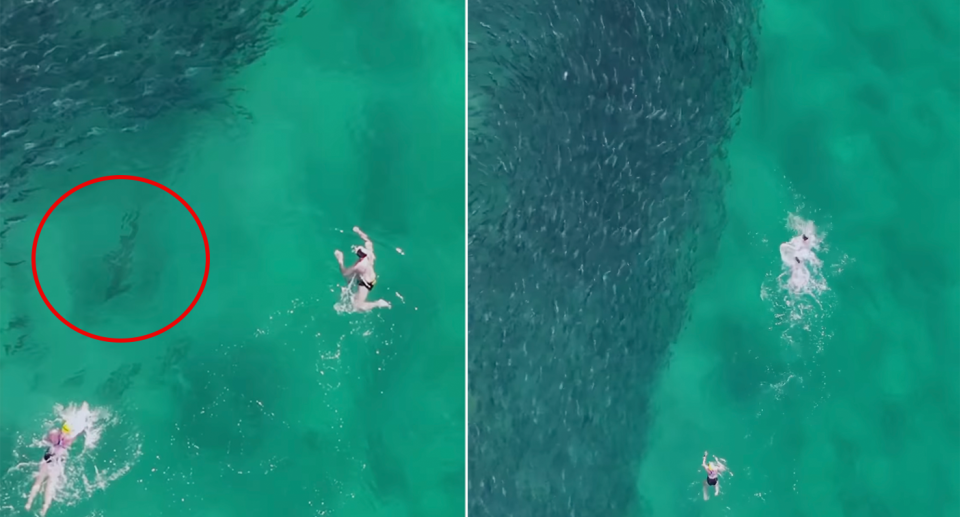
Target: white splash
87	470
345	304
802	269
798	293
81	421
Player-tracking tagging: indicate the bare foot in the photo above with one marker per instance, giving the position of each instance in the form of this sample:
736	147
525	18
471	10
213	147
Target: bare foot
339	255
27	507
383	303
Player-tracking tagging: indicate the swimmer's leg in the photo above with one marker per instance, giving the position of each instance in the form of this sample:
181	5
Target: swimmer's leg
717	487
360	303
39	476
706	496
53	479
369	306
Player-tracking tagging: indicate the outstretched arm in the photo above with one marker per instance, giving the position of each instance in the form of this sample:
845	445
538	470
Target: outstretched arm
723	464
366	240
344	270
704	461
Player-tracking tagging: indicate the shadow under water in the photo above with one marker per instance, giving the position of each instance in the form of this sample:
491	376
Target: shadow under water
596	191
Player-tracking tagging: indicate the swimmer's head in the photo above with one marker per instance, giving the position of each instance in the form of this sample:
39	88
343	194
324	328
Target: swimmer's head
711	466
65	428
360	251
54	436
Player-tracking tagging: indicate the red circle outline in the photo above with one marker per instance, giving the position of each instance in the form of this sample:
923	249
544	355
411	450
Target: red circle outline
206	268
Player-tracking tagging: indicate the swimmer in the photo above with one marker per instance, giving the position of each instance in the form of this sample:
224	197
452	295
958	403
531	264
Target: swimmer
53	463
362	270
797	254
799	249
714	469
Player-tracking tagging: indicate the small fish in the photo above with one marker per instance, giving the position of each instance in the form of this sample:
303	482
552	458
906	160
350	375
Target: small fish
19	322
13	264
13	132
23	194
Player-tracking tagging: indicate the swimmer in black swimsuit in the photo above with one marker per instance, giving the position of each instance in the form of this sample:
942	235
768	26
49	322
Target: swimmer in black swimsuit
51	467
362	271
714	469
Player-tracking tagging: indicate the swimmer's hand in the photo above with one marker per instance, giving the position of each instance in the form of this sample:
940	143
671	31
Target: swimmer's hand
339	255
359	232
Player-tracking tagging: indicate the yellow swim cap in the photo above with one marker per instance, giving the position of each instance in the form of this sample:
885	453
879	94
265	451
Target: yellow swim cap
711	466
66	428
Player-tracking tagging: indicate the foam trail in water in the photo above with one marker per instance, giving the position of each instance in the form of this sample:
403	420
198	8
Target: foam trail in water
345	304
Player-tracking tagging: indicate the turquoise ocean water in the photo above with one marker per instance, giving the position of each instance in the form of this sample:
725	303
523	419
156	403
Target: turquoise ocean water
265	400
851	406
620	325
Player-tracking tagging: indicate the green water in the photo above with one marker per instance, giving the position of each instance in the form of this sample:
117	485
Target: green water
264	400
852	122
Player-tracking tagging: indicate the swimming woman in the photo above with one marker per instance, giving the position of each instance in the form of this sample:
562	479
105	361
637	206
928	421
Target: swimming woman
796	255
714	469
363	271
58	441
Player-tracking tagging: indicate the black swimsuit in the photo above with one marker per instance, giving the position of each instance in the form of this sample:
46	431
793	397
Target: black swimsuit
362	283
51	453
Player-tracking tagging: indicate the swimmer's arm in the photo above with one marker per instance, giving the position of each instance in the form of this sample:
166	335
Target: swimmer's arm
344	270
366	240
723	463
704	461
70	441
